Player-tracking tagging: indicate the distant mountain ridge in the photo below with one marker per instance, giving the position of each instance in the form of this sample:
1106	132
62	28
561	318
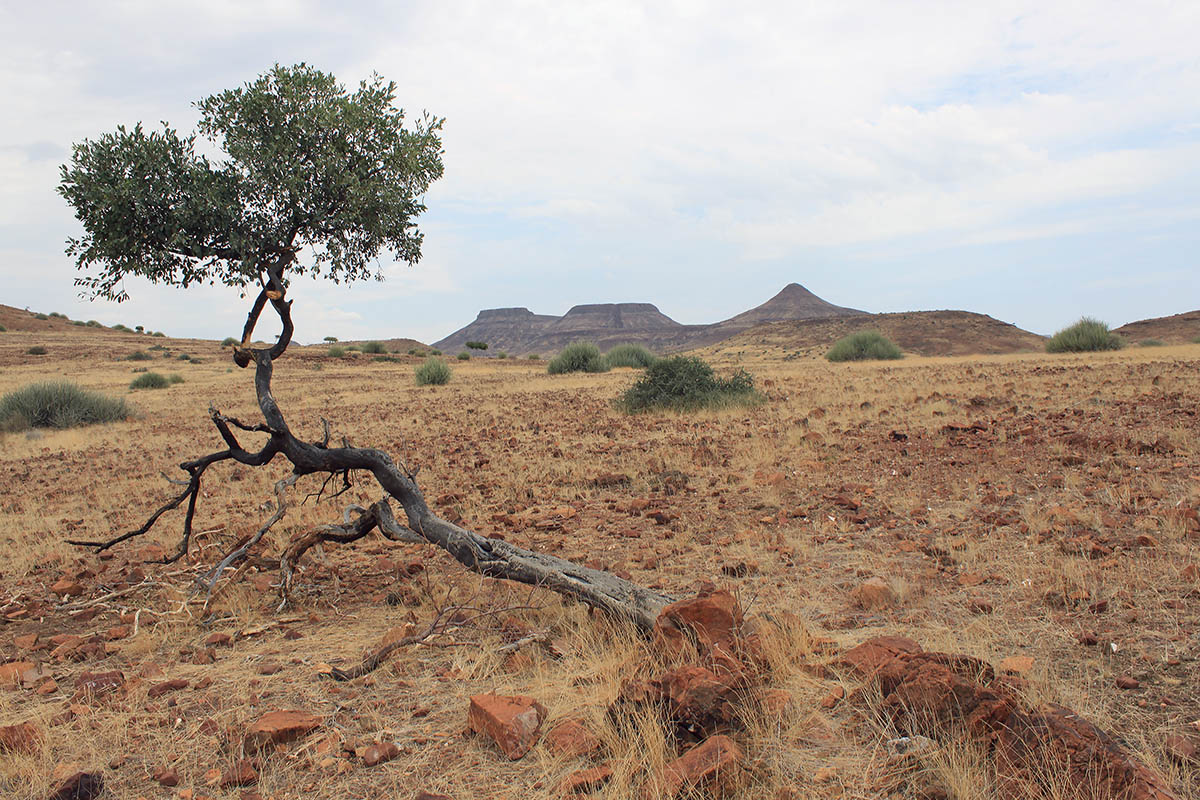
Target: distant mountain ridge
519	331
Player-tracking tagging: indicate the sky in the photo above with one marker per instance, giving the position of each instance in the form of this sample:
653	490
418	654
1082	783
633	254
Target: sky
1034	161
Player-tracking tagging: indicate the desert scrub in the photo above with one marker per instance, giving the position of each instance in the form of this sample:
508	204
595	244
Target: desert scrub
578	357
41	316
374	348
58	404
1085	336
687	383
464	356
434	372
629	355
151	380
228	341
336	352
1152	343
36	350
138	355
864	346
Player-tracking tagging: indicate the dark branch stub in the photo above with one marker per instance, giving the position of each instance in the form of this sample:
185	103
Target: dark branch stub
493	558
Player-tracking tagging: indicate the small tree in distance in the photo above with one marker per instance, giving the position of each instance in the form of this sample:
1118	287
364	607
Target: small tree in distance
477	345
307	167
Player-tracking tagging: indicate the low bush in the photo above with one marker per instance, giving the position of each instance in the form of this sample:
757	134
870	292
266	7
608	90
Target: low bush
3	329
159	334
78	323
387	359
150	380
373	348
864	346
41	316
686	383
1087	335
336	352
501	354
1152	343
464	356
629	355
434	372
1196	340
533	357
138	355
122	328
477	345
578	357
184	357
175	377
91	323
435	352
57	315
228	341
36	350
58	404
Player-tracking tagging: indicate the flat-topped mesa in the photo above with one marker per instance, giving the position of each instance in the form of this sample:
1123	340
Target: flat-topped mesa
613	316
500	328
521	313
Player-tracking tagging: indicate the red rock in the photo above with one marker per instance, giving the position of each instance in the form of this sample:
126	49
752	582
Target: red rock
698	699
166	776
80	786
159	689
21	738
423	795
240	774
218	639
98	684
833	698
714	763
277	727
1180	748
585	780
712	621
1127	682
379	753
513	723
875	594
872	654
571	739
67	588
980	605
26	642
10	673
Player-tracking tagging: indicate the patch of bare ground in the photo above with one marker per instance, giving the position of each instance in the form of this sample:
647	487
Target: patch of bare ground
1035	513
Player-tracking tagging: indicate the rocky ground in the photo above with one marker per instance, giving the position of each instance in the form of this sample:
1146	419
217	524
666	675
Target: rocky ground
1032	519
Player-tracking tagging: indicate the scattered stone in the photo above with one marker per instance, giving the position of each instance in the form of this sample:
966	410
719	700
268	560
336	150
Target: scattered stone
714	763
980	605
423	795
833	698
698	699
24	737
10	673
1182	749
513	723
585	780
166	776
159	689
379	753
218	639
26	641
872	654
97	684
571	739
712	620
875	594
240	774
278	727
1127	682
67	588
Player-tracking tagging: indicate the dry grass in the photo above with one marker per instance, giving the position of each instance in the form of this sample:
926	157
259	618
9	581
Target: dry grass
1007	514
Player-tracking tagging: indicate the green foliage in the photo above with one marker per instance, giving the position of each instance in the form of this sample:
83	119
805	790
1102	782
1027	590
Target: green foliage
501	354
464	356
331	339
336	352
435	352
477	345
1085	336
1196	340
140	328
3	329
41	316
1152	343
374	347
78	323
578	357
303	163
534	357
175	377
138	355
159	334
58	404
434	372
122	328
91	323
184	357
629	355
864	346
687	383
150	380
386	359
56	315
36	350
228	341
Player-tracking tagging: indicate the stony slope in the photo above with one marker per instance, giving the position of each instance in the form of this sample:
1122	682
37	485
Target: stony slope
793	302
1175	329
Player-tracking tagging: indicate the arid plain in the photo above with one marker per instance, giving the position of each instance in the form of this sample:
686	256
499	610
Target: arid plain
1036	512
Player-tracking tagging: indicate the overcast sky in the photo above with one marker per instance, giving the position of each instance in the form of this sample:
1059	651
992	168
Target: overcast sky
1035	161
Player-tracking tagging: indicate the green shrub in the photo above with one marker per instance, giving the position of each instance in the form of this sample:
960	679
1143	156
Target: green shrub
184	357
138	355
1152	343
36	350
864	346
412	351
58	404
229	341
156	347
477	345
91	323
150	380
56	315
336	352
533	357
175	377
41	316
331	339
435	352
464	356
78	323
374	348
159	334
629	355
501	354
140	328
387	359
1085	336
3	329
578	357
434	372
1196	340
686	383
122	328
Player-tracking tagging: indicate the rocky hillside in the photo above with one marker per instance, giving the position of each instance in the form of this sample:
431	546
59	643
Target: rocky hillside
926	333
1175	329
519	331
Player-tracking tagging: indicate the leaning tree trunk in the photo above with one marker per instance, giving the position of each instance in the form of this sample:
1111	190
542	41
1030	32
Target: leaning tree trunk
494	558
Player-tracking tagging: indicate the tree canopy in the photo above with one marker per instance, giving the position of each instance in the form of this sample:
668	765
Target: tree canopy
304	165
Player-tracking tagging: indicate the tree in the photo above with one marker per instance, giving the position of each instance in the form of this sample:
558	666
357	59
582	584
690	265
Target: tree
313	180
477	345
